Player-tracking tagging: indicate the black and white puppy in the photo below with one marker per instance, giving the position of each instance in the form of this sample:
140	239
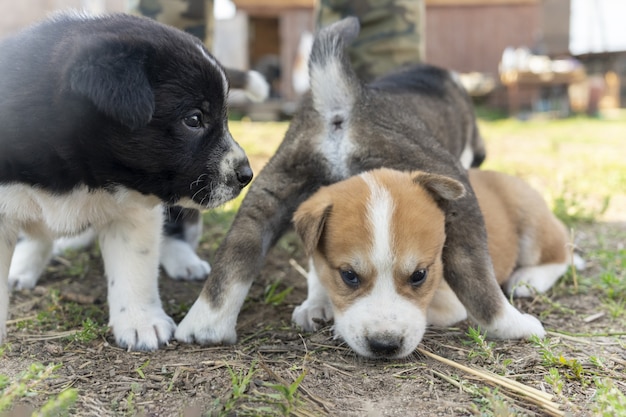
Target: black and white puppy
102	121
182	227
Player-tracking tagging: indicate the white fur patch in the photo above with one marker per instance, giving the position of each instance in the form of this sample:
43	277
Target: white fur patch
332	94
380	207
445	309
383	316
129	224
207	325
214	62
467	156
70	213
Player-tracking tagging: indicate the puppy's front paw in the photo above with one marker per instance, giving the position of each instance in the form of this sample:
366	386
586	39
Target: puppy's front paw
514	325
23	280
308	315
142	329
180	262
206	326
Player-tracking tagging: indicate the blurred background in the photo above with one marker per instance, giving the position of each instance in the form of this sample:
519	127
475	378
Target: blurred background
522	57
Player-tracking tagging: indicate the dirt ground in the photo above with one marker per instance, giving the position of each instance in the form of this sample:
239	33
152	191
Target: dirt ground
191	380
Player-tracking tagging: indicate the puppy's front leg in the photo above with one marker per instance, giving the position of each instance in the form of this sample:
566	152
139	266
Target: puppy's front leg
263	217
8	239
317	305
469	272
130	248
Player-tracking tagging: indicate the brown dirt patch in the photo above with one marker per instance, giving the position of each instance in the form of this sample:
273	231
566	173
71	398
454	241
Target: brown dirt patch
191	380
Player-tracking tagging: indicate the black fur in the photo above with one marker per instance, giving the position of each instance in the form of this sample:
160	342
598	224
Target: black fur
415	79
112	101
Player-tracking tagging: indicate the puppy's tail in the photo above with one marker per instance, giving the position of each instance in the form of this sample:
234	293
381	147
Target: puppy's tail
334	85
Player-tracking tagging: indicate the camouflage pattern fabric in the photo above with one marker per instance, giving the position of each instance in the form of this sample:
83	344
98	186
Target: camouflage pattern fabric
392	32
192	16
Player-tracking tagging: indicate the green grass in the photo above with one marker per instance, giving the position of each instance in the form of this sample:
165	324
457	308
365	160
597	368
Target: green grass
577	164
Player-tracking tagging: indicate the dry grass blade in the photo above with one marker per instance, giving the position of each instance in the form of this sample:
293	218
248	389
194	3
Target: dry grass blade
533	395
298	267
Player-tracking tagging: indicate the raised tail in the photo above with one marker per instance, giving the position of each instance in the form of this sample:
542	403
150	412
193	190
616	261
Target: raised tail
334	84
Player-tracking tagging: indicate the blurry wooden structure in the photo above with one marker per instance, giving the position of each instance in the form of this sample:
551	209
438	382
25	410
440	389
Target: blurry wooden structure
274	29
463	35
468	36
515	80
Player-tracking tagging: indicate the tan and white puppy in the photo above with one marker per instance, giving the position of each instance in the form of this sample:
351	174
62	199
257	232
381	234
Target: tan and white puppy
376	243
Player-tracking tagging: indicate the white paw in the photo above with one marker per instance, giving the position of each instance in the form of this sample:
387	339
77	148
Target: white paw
29	260
206	326
308	314
180	262
511	324
531	280
23	280
143	329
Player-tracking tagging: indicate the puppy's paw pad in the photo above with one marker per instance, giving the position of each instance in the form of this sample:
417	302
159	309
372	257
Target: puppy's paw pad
144	330
309	315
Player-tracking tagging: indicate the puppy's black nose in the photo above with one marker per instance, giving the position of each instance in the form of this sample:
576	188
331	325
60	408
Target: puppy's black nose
384	346
244	173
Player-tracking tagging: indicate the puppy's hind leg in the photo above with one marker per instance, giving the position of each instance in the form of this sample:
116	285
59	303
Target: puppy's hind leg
130	248
181	234
530	280
8	239
469	272
31	256
317	305
80	241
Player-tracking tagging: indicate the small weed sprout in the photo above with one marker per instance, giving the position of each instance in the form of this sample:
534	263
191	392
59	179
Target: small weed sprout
274	297
554	379
141	368
25	386
481	347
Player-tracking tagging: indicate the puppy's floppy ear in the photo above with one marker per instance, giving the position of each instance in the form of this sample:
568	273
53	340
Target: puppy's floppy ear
310	218
112	74
439	186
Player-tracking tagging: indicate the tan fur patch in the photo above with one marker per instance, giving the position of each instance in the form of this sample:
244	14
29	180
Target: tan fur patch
521	229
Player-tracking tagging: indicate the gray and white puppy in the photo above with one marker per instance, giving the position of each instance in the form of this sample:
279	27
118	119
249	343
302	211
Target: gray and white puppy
418	118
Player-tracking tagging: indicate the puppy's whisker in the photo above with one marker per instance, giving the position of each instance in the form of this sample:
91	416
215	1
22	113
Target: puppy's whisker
197	181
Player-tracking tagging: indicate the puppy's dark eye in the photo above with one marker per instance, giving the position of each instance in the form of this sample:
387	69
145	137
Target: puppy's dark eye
418	277
350	278
194	120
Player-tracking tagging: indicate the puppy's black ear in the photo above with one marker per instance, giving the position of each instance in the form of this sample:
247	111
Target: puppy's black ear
439	186
310	218
112	75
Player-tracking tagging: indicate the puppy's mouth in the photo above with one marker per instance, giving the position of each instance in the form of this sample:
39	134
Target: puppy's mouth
207	193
